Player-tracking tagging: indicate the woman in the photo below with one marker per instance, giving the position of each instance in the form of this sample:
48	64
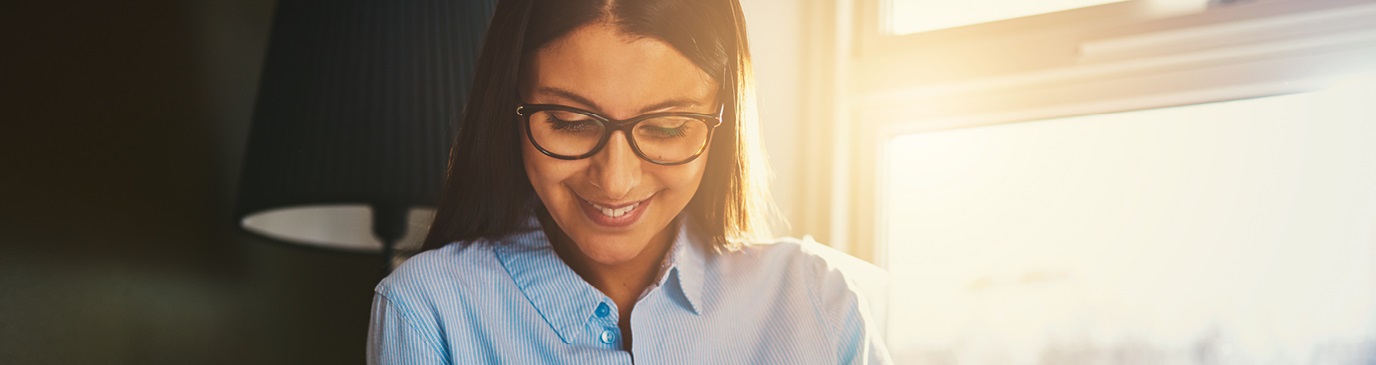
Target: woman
599	197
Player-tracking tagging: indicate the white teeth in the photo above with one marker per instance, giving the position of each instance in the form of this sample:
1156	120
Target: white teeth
614	213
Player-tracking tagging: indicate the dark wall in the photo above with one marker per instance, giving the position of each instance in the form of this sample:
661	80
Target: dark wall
124	123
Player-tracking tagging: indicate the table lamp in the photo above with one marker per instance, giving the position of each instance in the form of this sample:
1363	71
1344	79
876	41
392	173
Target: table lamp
357	106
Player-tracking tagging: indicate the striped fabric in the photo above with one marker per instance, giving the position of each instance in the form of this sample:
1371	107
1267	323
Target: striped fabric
513	301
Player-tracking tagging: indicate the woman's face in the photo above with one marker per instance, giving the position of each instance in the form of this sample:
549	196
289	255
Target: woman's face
599	69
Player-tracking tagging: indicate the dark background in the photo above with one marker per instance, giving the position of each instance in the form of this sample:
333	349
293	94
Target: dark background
124	126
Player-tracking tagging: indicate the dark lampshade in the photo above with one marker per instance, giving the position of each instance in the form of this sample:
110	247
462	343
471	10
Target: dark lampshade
358	104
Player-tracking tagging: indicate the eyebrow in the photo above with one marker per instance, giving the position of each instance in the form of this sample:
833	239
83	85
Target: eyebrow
666	104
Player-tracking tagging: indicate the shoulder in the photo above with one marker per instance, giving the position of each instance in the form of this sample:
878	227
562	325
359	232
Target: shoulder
821	263
838	281
441	274
834	279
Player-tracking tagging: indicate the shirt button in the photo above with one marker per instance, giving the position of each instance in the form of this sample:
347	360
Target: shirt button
607	337
603	310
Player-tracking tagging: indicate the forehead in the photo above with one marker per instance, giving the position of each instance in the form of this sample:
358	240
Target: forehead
619	74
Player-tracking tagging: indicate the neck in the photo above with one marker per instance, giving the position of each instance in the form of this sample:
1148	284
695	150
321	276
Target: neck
622	282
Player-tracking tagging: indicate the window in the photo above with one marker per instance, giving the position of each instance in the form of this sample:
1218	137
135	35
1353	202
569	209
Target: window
1239	232
1019	113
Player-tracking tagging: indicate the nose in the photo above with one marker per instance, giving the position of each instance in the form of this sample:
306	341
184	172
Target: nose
616	169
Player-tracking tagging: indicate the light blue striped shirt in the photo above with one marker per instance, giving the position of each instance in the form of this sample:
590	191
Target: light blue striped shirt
513	301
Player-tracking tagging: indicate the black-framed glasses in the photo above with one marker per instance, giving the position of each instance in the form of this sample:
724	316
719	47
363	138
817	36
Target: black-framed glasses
570	133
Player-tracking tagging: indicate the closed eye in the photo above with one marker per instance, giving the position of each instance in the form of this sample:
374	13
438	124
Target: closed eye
571	126
664	132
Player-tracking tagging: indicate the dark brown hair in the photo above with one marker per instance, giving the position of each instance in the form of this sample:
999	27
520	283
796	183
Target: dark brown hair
486	191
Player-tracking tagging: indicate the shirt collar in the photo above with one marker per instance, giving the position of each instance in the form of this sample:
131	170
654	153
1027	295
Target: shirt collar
567	302
682	270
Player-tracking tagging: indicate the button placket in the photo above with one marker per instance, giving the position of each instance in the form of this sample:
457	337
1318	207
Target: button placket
603	323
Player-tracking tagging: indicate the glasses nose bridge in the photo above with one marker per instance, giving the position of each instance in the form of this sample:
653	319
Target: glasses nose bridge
626	127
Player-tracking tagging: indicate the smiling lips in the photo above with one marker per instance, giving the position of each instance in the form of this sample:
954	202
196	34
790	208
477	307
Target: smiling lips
617	217
615	212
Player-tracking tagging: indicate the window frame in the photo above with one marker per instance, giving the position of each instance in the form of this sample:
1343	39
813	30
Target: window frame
1124	57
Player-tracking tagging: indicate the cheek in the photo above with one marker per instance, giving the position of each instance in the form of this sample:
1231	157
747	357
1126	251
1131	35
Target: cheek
549	175
686	177
542	171
529	158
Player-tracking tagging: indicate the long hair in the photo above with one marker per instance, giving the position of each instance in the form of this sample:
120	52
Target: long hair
487	193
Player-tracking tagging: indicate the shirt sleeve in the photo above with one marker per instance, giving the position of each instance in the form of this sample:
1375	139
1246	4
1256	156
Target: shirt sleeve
846	285
395	339
859	340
